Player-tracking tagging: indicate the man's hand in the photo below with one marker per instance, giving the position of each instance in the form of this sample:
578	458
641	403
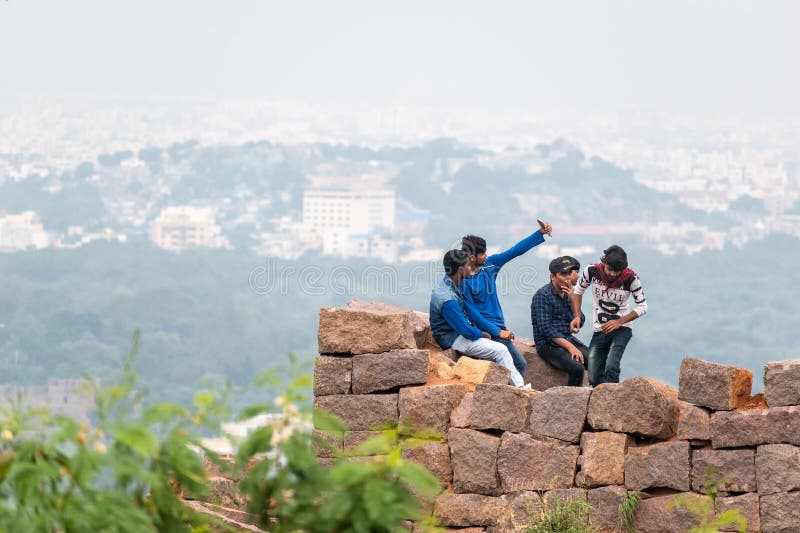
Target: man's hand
506	334
575	325
485	335
566	288
611	325
546	227
576	354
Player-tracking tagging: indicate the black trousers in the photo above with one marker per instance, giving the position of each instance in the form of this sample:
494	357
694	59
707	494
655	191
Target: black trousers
561	359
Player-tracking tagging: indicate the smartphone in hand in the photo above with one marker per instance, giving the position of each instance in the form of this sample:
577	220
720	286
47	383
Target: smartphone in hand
541	227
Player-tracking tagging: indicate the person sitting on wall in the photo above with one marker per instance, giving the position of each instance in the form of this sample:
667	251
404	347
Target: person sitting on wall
480	287
551	314
450	325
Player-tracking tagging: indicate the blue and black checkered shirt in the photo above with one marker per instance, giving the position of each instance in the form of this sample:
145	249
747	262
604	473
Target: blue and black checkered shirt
551	314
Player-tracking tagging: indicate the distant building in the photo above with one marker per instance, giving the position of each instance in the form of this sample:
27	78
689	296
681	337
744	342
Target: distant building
68	397
353	222
181	227
22	232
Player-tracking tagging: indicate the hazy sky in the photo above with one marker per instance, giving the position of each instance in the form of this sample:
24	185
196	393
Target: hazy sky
728	56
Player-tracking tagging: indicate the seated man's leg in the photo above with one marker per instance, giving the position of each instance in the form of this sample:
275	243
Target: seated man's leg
619	340
598	355
519	360
489	350
561	359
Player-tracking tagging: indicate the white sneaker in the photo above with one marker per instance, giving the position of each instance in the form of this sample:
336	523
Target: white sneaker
527	386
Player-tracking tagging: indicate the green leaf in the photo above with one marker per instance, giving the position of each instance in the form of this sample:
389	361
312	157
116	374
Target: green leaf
138	439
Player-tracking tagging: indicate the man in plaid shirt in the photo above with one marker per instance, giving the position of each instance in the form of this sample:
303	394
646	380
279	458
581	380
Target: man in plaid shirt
551	314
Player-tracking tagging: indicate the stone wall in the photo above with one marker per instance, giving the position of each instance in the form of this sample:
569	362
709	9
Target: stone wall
505	453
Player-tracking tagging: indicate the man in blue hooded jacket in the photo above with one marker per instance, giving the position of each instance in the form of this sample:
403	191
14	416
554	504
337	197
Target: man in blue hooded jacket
450	325
480	287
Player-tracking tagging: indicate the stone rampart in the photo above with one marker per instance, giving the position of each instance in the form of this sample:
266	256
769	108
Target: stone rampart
504	453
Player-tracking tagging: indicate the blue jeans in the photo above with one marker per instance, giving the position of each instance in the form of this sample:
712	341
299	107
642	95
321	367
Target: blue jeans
519	360
605	354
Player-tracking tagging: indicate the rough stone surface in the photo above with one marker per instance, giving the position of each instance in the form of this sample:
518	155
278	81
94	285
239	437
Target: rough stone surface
780	512
735	470
655	515
524	463
464	510
559	412
660	465
736	429
441	366
502	407
427	409
474	458
419	321
360	412
602	460
640	406
480	371
462	414
604	505
327	444
433	455
539	373
555	497
782	383
369	442
332	375
525	506
746	504
719	387
693	423
355	331
777	468
375	372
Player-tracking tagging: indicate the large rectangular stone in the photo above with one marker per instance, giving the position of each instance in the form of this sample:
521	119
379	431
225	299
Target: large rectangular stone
538	372
427	409
777	468
473	455
727	470
354	331
501	407
602	460
480	371
660	465
559	413
375	372
464	510
639	406
525	506
525	463
332	375
780	512
433	455
604	505
736	429
361	412
693	423
782	383
746	505
661	515
719	387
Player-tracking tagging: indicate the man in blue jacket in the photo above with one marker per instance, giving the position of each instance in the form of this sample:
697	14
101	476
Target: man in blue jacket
480	287
449	323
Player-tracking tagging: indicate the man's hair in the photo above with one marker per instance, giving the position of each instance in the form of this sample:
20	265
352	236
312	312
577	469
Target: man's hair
473	245
453	260
615	257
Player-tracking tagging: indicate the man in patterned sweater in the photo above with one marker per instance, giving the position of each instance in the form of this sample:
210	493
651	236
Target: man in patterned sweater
613	285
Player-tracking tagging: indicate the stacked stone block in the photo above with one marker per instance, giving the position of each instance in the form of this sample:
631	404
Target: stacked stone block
504	454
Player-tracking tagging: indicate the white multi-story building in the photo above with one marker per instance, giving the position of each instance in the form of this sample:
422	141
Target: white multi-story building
352	222
181	227
22	231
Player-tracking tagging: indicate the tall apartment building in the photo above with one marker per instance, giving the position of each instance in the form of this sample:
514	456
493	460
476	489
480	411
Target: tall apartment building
22	231
183	226
352	222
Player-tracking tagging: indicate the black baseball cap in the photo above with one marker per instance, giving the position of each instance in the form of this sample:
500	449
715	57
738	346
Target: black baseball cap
564	264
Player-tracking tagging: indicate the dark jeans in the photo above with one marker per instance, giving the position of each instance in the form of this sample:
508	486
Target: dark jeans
519	360
561	359
605	354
